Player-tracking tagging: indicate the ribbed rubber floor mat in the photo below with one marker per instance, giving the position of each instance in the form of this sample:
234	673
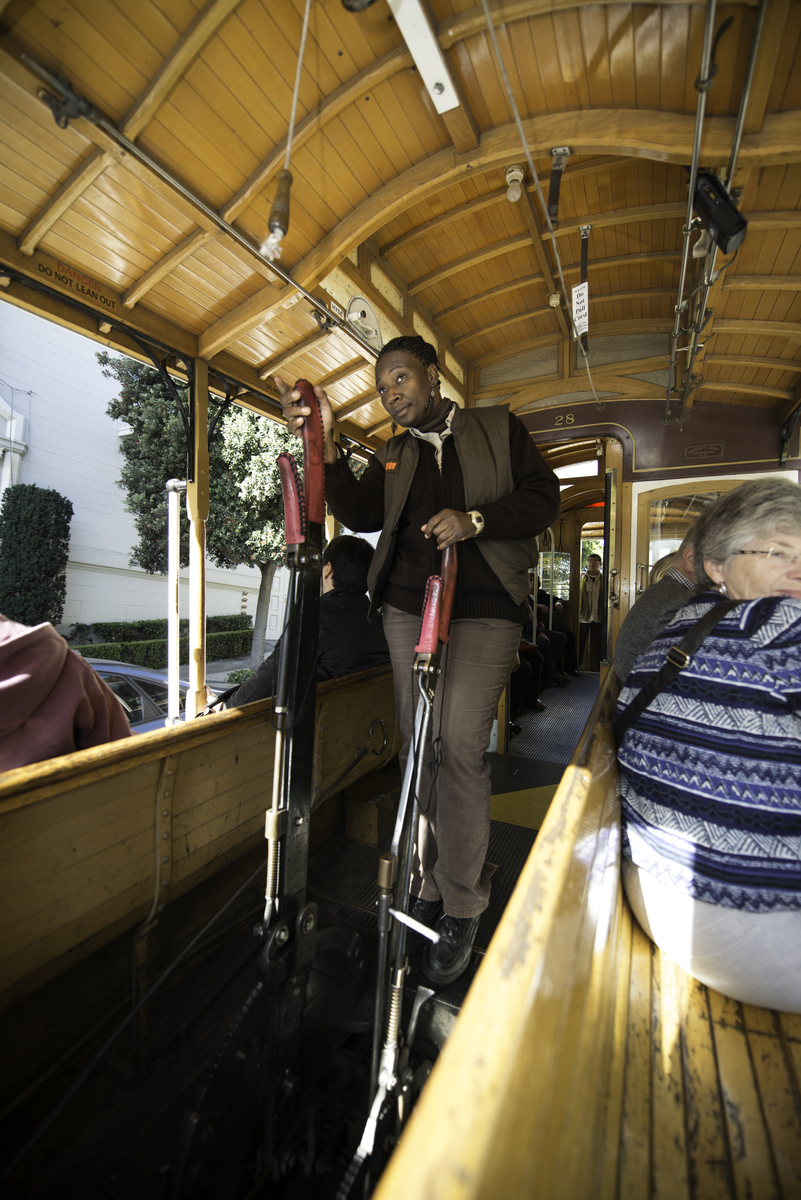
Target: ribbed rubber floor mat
552	736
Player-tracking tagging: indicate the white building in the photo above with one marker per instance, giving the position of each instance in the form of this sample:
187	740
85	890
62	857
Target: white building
54	432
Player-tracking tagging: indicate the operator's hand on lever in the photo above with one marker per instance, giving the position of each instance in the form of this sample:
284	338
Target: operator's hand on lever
295	411
449	526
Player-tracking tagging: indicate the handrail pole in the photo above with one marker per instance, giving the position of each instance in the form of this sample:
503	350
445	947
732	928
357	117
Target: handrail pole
173	487
706	55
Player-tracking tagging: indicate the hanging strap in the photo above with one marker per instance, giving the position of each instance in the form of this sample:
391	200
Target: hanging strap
559	157
678	657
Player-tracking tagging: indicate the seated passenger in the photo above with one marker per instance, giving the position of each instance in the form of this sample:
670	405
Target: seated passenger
569	663
657	605
711	770
348	642
51	701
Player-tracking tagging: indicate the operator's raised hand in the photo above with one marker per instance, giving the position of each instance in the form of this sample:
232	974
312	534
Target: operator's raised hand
295	412
449	526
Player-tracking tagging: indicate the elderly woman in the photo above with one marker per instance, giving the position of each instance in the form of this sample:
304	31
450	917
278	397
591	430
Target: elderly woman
472	477
711	770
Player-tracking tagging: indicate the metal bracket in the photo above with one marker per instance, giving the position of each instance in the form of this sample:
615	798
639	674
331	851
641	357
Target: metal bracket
585	231
275	824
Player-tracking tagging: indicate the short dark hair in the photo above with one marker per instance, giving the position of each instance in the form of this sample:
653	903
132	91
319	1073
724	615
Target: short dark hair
418	347
589	556
350	558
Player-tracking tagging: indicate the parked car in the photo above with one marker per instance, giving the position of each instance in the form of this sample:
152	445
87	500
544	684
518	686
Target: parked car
141	691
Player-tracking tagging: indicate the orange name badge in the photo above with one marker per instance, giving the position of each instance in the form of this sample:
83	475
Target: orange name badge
390	466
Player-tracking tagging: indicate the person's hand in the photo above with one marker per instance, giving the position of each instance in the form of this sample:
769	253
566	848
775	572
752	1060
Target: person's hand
526	645
449	526
558	606
295	412
542	607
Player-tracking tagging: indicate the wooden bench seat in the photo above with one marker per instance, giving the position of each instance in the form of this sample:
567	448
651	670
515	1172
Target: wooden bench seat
585	1063
94	843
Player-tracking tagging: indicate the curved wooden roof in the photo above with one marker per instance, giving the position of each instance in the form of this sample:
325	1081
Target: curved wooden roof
396	203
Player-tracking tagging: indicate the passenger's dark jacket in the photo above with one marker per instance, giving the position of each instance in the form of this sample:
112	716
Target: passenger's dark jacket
348	642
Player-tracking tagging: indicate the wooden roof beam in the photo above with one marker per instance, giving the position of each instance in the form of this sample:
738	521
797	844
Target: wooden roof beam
788	329
492	294
360	401
790	407
492	198
535	232
745	360
286	356
188	46
762	283
623	385
518	242
770	46
344	372
502	324
758	389
646	134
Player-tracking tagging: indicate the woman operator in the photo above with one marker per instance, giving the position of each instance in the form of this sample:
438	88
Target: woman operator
711	769
452	476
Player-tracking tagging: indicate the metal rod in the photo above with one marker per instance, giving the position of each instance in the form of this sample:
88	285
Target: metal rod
174	487
703	74
709	279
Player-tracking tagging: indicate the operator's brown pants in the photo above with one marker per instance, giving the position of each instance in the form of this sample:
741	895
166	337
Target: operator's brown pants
453	832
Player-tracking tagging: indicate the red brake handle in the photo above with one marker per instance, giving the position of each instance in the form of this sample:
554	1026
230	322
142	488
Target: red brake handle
449	587
429	630
313	462
294	515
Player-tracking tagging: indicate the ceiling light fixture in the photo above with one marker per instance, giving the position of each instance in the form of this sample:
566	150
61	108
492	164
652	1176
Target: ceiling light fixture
514	178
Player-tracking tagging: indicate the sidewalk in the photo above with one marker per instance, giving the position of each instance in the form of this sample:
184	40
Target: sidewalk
216	672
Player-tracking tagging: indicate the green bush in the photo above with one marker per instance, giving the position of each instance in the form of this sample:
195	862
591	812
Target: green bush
148	631
154	653
240	676
34	547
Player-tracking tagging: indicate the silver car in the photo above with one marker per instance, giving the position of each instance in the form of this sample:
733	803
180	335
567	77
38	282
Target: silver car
141	691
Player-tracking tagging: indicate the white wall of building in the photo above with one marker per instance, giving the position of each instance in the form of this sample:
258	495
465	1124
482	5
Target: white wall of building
54	432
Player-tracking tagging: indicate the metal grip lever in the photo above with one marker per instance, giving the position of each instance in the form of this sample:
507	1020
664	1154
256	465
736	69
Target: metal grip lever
429	630
313	462
449	588
294	515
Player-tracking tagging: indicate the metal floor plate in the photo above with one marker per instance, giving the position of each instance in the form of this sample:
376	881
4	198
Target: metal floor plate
552	736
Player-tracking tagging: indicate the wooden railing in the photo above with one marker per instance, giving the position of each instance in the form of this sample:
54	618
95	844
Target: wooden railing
94	843
585	1064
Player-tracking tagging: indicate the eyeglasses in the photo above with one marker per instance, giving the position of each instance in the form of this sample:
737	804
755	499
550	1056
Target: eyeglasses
778	558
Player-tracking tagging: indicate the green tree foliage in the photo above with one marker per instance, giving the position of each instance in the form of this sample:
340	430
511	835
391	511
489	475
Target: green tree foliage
34	547
246	517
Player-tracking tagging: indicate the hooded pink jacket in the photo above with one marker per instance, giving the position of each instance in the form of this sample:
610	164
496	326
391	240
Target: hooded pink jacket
51	701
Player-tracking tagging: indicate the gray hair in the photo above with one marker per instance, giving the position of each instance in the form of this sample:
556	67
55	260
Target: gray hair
757	509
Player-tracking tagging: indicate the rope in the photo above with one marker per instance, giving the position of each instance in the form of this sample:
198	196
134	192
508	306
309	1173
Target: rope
293	110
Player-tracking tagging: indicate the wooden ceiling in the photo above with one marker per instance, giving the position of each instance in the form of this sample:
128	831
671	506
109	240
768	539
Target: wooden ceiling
398	204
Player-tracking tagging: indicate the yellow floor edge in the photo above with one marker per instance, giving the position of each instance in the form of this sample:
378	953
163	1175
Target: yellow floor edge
526	808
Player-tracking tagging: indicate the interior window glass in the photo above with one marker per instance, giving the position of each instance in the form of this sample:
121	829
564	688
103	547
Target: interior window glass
561	573
129	697
671	518
158	694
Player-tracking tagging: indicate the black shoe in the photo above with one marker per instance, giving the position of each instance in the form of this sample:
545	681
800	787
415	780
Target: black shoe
540	707
427	912
560	680
514	729
575	674
447	959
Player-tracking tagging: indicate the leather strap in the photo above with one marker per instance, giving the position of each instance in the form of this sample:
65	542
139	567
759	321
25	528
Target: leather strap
678	657
559	157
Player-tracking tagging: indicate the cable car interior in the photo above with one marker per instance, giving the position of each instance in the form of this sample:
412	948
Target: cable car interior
593	213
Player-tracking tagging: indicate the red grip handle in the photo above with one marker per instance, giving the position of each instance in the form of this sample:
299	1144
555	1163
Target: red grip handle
449	587
429	630
313	462
294	516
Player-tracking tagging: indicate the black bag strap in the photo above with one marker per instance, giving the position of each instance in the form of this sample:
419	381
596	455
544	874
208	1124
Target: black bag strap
678	657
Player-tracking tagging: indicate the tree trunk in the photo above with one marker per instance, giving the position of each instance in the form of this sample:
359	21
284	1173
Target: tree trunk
262	612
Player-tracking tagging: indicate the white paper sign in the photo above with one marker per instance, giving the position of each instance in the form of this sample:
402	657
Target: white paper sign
581	308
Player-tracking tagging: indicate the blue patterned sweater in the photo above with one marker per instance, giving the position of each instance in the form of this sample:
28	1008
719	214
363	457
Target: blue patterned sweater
710	774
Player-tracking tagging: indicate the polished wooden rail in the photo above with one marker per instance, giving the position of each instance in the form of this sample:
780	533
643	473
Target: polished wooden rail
585	1063
93	843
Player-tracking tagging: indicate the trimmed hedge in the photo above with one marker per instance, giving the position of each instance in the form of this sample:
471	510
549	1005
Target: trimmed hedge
148	631
34	546
154	653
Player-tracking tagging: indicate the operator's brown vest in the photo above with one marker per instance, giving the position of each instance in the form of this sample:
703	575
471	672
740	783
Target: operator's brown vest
481	437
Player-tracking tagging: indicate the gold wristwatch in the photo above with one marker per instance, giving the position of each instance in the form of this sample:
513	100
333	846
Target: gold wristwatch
478	521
